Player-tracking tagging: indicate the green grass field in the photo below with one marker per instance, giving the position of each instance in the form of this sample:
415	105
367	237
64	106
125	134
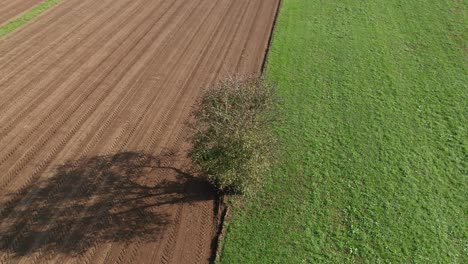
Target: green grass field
26	17
375	137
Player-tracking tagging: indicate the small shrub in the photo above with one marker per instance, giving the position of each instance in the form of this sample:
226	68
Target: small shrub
232	143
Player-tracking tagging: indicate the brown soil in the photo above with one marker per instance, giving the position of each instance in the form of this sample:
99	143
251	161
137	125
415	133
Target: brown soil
94	96
10	9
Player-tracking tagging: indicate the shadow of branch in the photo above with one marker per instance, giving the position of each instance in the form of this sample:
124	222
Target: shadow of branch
115	198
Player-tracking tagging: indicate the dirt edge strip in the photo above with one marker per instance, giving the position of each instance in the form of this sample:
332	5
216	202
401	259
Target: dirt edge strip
222	209
221	213
270	38
25	17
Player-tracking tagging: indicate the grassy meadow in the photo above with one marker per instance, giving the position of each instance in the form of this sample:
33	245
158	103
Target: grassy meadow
374	140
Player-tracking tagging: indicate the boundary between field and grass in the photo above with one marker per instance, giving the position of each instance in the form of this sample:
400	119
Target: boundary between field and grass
270	38
26	17
221	207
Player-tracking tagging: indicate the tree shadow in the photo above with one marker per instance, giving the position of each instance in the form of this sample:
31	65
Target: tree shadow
116	198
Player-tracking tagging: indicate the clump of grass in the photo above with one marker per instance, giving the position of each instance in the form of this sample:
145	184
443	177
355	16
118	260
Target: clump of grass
26	17
232	143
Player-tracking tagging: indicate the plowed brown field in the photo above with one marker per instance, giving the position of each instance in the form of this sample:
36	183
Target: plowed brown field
10	9
94	96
